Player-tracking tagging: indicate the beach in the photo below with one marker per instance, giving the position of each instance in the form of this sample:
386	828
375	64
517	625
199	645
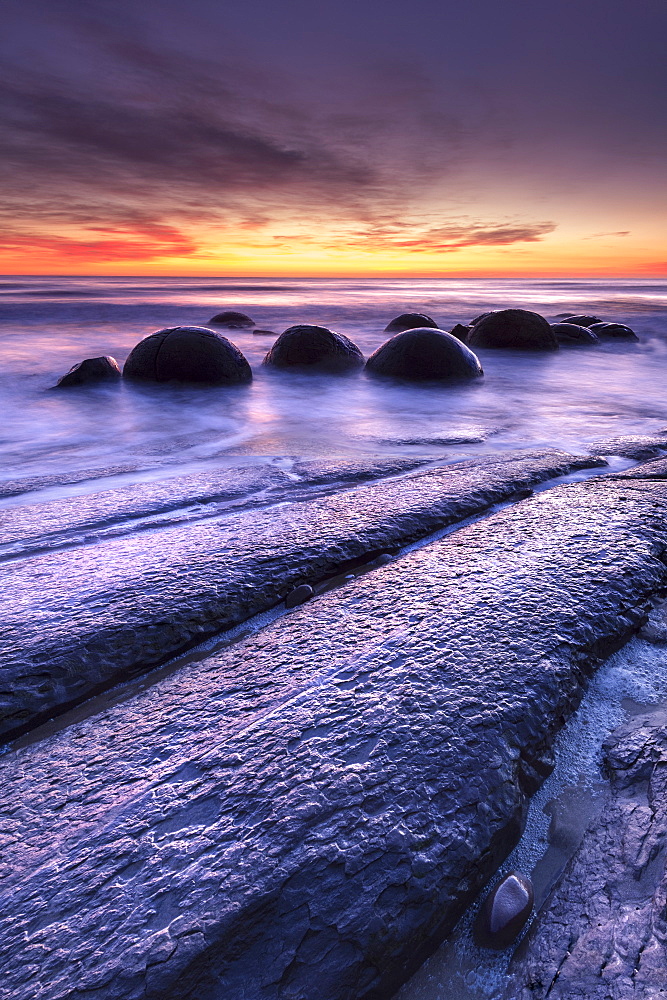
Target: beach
214	788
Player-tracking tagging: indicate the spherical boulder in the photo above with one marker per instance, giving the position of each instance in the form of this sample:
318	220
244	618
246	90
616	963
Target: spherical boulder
614	330
90	371
424	354
314	347
572	335
582	320
477	319
232	320
410	321
504	912
187	354
514	329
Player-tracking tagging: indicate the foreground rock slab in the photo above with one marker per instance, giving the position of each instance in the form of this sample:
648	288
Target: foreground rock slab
604	932
106	607
308	813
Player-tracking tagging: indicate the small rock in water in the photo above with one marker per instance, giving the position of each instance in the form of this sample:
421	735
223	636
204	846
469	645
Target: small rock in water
383	559
232	320
104	369
613	330
504	912
460	332
582	320
299	596
410	321
264	333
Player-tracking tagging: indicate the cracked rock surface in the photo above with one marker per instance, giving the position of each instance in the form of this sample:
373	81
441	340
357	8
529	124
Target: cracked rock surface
603	934
149	590
308	813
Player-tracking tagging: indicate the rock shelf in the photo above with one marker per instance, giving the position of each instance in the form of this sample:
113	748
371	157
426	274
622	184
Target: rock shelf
151	590
308	813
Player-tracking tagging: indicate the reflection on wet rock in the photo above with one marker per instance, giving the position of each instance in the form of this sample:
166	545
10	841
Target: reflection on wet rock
573	335
424	354
187	354
104	369
615	330
516	329
314	347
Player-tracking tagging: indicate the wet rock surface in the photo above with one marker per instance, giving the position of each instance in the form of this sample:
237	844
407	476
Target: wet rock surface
603	933
656	469
30	484
637	446
314	347
151	591
514	329
424	354
90	372
187	354
308	813
64	522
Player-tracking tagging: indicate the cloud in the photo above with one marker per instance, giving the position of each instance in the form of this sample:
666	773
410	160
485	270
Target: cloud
445	238
149	242
598	236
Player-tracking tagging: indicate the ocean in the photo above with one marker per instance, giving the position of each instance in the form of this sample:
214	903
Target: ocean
128	432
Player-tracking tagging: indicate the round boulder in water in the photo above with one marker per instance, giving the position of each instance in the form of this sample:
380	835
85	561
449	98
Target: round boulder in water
314	347
514	329
187	354
478	319
614	330
424	354
232	320
410	321
504	912
582	320
572	335
104	369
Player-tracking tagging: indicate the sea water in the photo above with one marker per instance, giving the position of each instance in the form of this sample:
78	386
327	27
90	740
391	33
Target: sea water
566	399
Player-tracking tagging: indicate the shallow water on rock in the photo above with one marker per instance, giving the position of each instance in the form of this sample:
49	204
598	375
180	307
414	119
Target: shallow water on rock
635	675
566	399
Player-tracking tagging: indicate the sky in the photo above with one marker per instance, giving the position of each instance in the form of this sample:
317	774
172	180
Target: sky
345	137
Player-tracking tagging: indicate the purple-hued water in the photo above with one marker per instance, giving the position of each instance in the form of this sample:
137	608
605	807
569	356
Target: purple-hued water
566	398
